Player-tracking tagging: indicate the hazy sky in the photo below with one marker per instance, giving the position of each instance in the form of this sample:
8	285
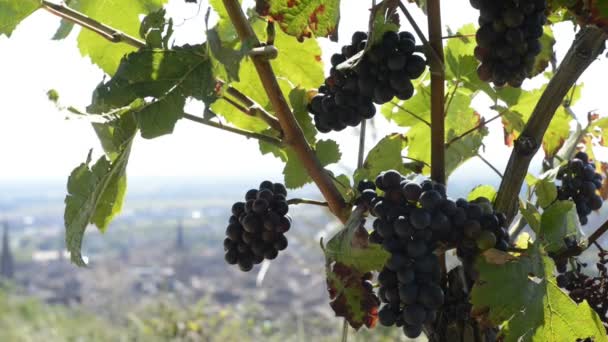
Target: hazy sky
37	143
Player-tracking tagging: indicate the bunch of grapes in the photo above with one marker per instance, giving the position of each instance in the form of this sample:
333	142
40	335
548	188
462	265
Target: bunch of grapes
582	287
385	71
411	220
508	39
477	228
580	182
257	226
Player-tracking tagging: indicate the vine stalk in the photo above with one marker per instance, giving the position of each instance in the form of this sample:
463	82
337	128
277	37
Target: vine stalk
588	45
293	135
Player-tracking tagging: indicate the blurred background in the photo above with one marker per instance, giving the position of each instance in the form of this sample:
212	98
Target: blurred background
159	273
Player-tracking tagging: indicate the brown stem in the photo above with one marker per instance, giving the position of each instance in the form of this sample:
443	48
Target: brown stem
293	135
306	201
251	107
598	233
107	32
437	93
588	45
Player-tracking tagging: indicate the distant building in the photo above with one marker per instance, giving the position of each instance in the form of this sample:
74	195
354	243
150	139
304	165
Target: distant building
7	266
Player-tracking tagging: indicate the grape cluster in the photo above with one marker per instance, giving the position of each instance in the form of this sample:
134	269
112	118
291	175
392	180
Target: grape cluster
385	71
411	220
582	287
257	226
478	228
508	39
580	182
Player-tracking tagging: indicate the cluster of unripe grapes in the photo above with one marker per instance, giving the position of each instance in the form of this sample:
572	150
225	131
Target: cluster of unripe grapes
411	220
508	39
257	227
580	183
383	72
582	287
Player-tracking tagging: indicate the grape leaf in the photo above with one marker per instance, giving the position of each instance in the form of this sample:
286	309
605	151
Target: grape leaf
122	16
298	65
558	221
348	256
168	77
531	307
12	12
327	151
531	214
420	3
96	193
386	155
520	106
546	192
303	18
543	59
599	128
386	19
486	191
415	114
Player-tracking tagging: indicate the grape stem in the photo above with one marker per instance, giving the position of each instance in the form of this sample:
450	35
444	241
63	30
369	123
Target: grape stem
293	136
361	156
458	35
105	31
437	92
218	125
481	125
588	45
248	106
411	113
294	201
485	161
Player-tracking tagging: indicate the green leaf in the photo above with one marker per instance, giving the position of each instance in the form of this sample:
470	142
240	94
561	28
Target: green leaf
386	155
520	107
303	18
348	256
12	12
327	151
531	214
558	221
599	128
298	65
156	29
415	114
523	298
386	19
167	77
543	59
546	192
96	193
123	16
486	191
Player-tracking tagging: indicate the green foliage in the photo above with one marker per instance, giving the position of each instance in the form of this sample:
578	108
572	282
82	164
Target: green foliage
523	298
96	193
546	192
327	151
103	53
348	256
531	215
486	191
547	42
305	18
557	222
12	12
167	76
386	155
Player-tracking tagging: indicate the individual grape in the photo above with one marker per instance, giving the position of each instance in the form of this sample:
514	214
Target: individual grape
387	316
412	331
414	314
